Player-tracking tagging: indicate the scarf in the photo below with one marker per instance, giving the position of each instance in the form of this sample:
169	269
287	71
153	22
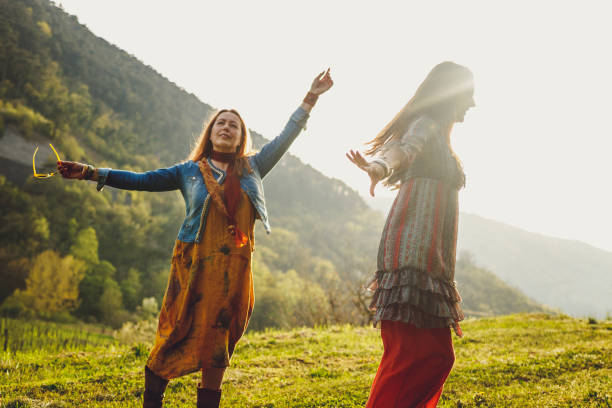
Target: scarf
229	199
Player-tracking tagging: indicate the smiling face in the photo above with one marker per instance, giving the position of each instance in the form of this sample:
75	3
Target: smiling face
226	133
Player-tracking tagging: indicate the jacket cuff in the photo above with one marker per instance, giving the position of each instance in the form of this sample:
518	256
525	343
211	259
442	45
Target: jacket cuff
102	176
300	116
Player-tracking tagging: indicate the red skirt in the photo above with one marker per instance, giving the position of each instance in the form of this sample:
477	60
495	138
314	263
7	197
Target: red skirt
413	368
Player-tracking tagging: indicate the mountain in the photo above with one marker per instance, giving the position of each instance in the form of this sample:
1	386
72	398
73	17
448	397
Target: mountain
60	83
563	274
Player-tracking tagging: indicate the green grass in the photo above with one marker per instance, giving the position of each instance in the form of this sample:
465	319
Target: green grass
25	336
512	361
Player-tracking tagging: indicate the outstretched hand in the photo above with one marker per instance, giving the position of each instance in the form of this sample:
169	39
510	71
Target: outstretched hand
321	83
374	171
71	170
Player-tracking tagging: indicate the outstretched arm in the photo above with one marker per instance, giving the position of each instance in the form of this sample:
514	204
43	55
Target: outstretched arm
165	179
272	151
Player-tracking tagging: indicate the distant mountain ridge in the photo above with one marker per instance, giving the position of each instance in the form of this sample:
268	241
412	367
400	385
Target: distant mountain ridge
569	275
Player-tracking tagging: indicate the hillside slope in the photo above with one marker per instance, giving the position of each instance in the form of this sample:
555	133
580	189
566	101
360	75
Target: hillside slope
485	294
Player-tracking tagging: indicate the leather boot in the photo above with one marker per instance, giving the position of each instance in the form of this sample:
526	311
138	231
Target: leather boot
208	398
154	390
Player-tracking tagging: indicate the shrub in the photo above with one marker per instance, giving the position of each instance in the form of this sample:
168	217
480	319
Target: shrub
27	120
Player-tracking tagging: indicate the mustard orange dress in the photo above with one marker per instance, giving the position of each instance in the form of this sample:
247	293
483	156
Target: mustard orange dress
209	298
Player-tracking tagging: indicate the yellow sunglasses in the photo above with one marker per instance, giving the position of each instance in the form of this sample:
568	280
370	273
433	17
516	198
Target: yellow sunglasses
43	175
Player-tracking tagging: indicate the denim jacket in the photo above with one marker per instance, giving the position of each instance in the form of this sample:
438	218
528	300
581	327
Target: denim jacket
186	177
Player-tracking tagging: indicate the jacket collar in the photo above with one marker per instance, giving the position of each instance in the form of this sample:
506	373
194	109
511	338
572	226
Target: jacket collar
217	172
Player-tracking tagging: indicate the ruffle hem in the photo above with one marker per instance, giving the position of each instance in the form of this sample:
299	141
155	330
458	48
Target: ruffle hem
413	296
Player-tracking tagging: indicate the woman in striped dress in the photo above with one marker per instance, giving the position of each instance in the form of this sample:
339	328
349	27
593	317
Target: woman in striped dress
415	296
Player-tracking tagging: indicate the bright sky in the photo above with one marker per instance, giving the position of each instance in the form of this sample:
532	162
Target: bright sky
536	148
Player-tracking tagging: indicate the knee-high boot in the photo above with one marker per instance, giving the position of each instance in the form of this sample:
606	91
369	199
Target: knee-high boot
208	398
154	389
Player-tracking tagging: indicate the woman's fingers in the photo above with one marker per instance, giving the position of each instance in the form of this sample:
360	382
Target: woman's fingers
329	82
352	157
61	167
323	75
373	186
360	157
326	76
69	169
322	82
348	156
318	79
358	160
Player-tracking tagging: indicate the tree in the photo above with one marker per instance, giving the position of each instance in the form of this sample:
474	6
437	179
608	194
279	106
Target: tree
52	286
131	289
111	305
326	276
91	288
85	246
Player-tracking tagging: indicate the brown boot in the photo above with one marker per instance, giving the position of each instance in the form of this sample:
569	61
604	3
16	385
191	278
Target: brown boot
208	398
154	390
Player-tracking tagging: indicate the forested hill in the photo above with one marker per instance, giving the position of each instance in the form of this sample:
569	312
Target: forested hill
97	104
116	105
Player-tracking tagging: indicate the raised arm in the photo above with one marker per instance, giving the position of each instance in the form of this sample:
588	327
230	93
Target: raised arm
272	151
164	179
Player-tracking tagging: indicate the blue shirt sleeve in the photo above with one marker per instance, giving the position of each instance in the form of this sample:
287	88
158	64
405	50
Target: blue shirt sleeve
165	179
272	151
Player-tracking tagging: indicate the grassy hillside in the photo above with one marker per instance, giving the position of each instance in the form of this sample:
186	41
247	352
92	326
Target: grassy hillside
501	362
19	336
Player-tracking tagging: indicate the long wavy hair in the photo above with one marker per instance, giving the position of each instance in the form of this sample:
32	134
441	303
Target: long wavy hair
203	146
446	85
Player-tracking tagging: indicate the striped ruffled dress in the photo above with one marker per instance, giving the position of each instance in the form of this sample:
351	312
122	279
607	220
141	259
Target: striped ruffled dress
414	282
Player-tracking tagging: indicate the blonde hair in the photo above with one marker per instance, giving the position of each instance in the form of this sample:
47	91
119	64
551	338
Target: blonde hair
203	146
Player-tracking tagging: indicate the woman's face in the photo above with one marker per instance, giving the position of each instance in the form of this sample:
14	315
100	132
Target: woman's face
464	102
226	133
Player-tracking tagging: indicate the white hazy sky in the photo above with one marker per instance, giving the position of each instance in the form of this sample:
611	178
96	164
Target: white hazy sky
536	149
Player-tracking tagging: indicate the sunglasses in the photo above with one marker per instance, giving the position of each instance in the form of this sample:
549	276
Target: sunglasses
43	175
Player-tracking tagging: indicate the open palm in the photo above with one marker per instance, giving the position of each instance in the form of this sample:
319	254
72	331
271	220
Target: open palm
374	171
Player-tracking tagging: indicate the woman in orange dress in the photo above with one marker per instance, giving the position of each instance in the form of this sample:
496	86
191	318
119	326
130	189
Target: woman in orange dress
209	298
416	299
